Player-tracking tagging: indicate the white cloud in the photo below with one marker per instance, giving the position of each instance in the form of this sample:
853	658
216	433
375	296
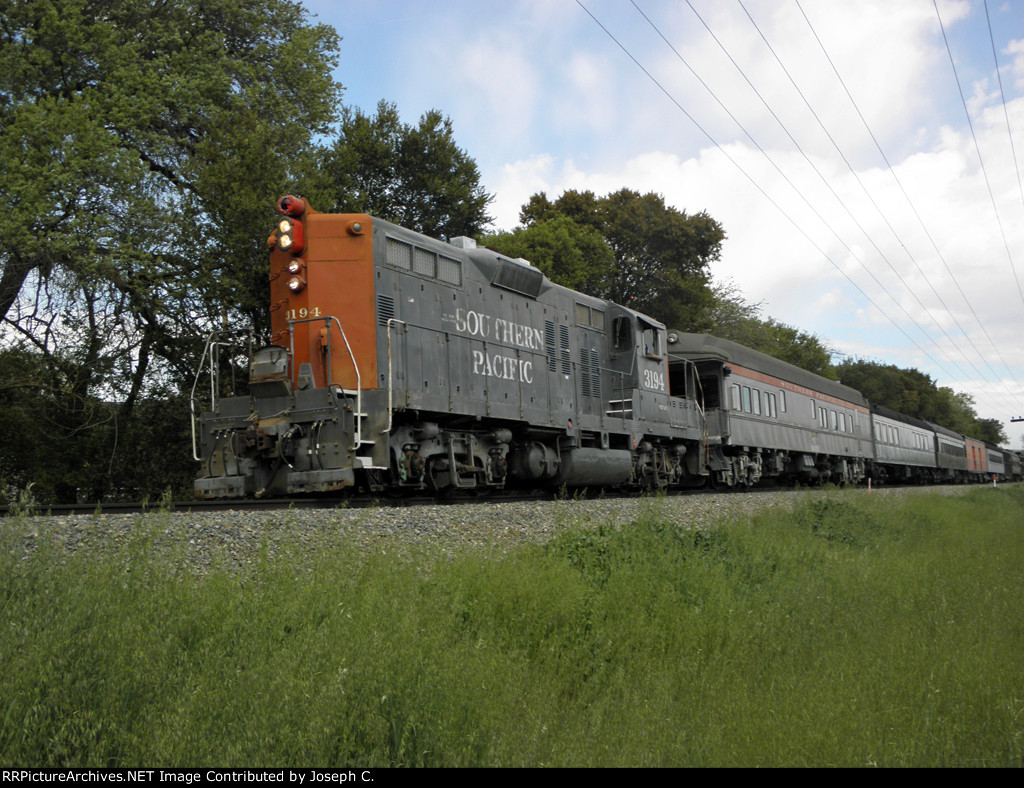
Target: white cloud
1016	49
773	262
544	100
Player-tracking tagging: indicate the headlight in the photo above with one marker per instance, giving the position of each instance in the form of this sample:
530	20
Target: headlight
290	236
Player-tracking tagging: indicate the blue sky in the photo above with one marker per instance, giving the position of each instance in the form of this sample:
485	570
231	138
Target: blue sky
912	255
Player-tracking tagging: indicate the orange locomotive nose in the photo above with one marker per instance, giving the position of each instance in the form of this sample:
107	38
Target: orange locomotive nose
322	277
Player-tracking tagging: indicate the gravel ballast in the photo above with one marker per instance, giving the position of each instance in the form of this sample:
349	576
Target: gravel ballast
236	538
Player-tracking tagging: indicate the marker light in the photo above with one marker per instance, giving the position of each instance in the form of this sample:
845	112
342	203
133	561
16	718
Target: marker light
296	284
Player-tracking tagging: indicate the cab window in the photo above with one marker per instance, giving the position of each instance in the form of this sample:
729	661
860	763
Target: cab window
650	337
622	331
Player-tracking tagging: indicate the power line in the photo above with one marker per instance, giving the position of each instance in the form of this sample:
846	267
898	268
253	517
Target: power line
768	157
757	186
896	235
977	147
786	215
906	196
1002	98
821	177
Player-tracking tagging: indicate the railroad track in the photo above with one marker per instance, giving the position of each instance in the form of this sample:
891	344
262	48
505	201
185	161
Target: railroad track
365	501
269	504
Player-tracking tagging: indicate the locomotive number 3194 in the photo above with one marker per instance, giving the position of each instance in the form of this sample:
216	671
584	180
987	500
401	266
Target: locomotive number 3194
654	380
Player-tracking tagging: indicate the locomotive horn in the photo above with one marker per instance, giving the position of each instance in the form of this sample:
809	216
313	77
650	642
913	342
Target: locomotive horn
291	206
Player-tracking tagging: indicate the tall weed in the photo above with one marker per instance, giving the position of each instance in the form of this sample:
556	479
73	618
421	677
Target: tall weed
851	631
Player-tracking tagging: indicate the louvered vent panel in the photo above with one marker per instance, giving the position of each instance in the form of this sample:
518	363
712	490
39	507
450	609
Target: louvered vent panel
549	343
585	372
385	309
595	373
563	337
590	373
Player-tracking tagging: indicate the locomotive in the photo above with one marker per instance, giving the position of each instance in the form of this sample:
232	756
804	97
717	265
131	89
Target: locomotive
399	362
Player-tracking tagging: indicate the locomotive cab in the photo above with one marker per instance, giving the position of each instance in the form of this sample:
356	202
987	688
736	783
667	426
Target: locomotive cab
637	353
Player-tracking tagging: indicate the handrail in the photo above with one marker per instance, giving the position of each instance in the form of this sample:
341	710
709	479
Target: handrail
359	380
208	348
391	321
705	432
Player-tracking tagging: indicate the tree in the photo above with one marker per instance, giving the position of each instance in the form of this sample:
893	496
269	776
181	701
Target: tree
662	255
570	254
908	391
990	430
137	134
138	144
660	265
790	344
415	176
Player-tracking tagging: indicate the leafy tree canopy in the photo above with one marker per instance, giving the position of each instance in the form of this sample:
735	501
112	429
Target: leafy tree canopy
131	131
790	344
635	250
570	254
414	176
141	146
662	255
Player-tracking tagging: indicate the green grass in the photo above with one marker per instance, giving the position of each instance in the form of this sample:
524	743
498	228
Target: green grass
853	631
